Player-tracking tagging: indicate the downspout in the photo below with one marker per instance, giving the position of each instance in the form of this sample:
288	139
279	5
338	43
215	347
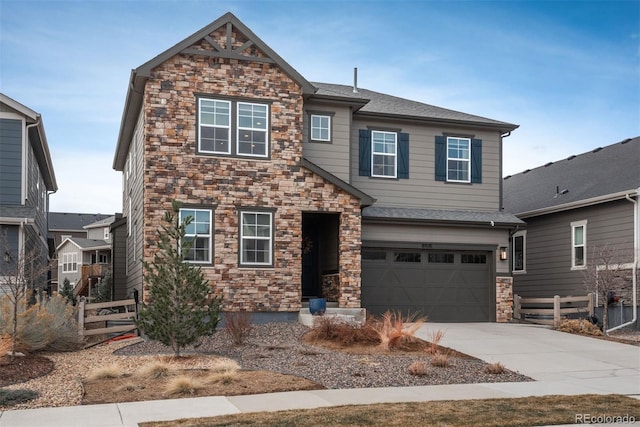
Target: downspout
636	251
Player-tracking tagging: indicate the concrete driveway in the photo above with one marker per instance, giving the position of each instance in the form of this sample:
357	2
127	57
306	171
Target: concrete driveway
561	363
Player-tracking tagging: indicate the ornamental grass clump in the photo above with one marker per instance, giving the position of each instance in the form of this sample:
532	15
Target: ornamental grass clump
157	369
418	368
395	331
579	326
105	372
182	385
495	368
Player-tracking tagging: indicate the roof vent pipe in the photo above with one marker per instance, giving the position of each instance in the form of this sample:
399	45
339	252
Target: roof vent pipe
355	79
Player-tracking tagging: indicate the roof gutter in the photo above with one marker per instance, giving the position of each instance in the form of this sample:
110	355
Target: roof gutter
636	255
577	204
500	126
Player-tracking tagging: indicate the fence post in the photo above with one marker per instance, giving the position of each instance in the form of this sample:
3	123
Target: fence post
81	317
590	305
556	311
516	306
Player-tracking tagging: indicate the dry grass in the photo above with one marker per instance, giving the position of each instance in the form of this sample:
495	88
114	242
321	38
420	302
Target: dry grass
237	326
418	368
5	345
335	329
495	368
155	369
182	385
104	372
225	365
394	330
440	360
579	326
127	386
221	377
528	411
434	339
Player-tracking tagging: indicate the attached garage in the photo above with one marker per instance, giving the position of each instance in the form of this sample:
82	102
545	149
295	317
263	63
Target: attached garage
444	285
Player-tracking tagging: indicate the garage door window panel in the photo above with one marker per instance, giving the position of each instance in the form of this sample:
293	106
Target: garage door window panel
473	259
374	255
440	258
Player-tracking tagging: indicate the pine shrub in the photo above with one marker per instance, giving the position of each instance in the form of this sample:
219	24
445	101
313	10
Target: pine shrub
14	397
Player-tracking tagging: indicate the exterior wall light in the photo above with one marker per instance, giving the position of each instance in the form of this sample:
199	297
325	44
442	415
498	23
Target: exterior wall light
503	253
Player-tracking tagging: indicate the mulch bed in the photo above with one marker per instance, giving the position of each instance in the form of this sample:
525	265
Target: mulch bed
23	368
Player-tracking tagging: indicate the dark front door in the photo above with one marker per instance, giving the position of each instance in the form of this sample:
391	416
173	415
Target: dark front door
319	250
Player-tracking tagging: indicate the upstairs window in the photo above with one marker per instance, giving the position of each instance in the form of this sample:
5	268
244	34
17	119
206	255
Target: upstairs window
233	128
106	233
70	263
320	127
199	233
458	159
215	123
578	244
384	154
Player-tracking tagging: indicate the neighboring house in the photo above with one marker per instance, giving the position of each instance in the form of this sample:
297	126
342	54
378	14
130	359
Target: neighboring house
301	189
63	225
85	261
26	180
571	207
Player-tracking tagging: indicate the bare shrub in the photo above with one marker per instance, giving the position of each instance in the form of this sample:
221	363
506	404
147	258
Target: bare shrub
495	368
418	368
335	329
440	360
579	326
182	385
237	326
104	372
156	369
434	341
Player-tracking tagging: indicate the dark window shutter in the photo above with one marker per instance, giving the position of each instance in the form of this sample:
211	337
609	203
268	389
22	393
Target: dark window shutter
403	155
365	152
441	158
476	161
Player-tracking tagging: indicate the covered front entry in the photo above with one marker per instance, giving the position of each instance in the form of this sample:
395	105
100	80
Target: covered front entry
444	285
320	256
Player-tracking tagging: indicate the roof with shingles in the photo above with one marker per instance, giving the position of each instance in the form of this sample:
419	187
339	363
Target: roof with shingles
389	105
609	171
441	215
102	223
73	221
84	244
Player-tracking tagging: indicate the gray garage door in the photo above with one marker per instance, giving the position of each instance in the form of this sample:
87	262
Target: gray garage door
446	286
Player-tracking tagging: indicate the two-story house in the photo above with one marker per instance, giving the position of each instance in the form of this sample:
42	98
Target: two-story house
301	189
26	180
67	224
580	211
85	261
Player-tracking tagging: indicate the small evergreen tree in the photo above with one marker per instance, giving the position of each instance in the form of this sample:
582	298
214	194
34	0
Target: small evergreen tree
102	292
67	291
182	309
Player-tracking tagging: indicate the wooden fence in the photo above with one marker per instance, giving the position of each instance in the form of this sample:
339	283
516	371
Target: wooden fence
549	311
86	316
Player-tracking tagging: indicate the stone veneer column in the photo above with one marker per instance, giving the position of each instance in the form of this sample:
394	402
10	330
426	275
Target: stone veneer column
504	299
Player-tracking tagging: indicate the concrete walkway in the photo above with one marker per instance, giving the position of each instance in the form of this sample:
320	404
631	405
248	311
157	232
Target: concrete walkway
561	363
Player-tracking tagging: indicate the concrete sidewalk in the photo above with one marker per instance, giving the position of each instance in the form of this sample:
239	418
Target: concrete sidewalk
561	363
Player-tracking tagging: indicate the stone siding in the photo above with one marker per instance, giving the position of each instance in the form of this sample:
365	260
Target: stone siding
173	170
504	299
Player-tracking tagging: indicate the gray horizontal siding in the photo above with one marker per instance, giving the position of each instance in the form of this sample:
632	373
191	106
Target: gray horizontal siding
333	157
548	247
421	189
10	161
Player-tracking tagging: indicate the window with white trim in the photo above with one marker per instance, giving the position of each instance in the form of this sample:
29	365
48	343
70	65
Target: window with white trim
234	128
458	159
320	128
384	159
518	243
106	233
256	238
70	263
199	233
215	125
579	245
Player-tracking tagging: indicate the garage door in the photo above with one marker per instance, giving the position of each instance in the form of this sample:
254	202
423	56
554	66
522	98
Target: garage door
446	286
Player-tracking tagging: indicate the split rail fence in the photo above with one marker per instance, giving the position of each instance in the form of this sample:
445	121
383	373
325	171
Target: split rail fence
550	311
87	315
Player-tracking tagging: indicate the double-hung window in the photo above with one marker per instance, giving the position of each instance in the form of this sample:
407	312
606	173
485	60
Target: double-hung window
215	122
458	159
198	234
519	251
235	128
70	263
252	129
578	244
256	238
384	158
320	128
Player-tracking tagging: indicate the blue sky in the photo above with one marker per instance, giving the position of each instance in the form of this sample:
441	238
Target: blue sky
568	72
